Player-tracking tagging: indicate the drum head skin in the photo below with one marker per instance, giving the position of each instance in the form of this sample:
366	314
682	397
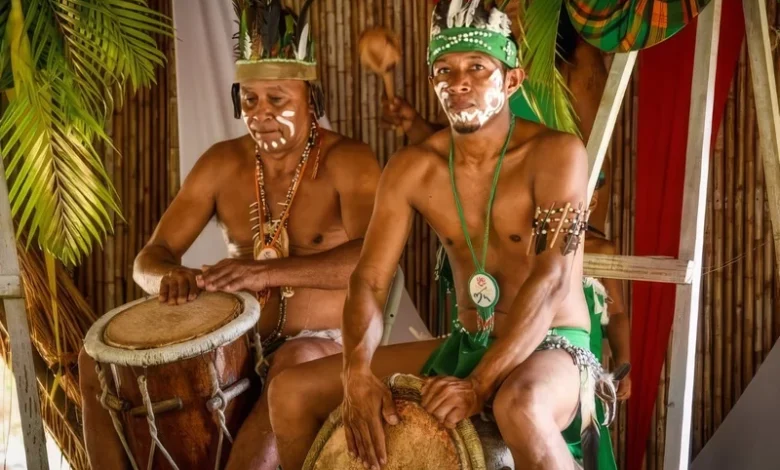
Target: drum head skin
151	324
418	442
147	333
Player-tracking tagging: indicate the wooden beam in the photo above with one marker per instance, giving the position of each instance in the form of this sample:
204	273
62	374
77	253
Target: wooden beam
21	346
686	309
639	268
765	92
611	101
10	286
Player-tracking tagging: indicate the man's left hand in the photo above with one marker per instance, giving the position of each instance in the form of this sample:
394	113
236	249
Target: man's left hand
451	400
233	275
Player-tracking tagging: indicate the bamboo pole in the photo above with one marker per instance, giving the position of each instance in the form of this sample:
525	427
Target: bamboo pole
749	245
331	63
728	362
349	72
739	238
341	75
717	203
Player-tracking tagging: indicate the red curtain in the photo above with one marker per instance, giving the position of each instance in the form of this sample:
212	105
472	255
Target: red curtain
665	75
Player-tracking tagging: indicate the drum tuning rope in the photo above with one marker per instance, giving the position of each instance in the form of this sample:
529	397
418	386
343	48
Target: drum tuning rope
152	426
220	412
114	418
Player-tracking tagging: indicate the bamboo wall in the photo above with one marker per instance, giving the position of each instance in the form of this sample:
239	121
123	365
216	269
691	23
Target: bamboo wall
146	176
740	318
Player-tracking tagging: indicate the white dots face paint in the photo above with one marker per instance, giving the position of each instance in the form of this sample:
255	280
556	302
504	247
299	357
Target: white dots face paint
274	144
265	146
282	140
288	113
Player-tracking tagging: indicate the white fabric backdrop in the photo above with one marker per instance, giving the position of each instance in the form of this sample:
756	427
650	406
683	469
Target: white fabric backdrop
204	75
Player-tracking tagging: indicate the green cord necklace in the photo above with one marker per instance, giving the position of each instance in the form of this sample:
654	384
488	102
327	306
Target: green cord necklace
483	288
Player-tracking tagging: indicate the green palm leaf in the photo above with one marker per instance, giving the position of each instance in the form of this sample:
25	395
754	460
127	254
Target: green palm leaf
548	88
61	61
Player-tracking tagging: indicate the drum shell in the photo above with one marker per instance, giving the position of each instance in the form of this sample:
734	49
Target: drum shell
190	434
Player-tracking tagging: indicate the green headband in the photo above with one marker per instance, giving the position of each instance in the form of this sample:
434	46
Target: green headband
467	39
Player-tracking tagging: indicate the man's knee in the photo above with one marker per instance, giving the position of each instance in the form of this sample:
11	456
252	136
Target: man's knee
520	403
299	351
286	396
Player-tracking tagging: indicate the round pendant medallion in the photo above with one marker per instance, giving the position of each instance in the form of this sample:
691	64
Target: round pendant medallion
483	290
268	253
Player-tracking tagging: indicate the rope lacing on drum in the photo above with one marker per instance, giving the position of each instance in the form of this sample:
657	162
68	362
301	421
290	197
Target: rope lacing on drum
220	412
114	417
152	426
257	345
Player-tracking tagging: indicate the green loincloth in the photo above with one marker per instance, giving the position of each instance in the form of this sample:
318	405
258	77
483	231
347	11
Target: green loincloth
459	355
596	298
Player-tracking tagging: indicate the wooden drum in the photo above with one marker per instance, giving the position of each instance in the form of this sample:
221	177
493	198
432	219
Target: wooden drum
418	442
175	378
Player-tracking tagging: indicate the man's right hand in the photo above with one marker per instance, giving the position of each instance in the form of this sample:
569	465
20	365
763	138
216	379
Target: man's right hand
179	286
398	113
367	403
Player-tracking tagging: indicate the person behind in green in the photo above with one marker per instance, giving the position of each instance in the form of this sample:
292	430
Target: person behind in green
607	316
507	199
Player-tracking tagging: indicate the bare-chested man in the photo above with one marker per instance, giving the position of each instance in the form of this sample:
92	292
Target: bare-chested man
332	182
488	168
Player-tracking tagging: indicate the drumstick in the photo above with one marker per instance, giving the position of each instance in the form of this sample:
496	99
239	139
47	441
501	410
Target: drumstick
380	50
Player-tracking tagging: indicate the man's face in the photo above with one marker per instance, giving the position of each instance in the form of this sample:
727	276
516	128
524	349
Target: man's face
275	112
472	88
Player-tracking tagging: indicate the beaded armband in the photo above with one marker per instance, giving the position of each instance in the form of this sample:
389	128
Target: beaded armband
564	225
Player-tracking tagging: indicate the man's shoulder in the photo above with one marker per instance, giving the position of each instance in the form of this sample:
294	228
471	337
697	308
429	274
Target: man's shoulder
549	147
343	149
226	151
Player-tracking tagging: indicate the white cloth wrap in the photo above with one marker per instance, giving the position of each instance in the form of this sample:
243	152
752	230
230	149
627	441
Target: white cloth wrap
101	352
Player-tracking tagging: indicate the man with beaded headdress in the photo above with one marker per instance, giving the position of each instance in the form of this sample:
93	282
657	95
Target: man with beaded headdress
507	198
293	200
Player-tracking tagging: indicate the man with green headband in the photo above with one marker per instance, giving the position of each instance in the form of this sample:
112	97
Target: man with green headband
507	199
293	200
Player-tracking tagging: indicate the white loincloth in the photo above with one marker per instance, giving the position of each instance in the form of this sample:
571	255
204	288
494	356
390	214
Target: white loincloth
332	334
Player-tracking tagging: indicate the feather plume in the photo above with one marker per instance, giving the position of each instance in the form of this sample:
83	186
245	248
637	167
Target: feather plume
439	19
470	11
499	22
453	12
302	29
270	12
302	48
589	432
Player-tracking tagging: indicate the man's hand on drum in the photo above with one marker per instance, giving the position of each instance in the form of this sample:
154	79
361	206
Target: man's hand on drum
450	399
367	403
234	275
179	286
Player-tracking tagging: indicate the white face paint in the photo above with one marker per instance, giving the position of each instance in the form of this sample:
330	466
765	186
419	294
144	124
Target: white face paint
274	144
494	99
283	119
282	140
265	146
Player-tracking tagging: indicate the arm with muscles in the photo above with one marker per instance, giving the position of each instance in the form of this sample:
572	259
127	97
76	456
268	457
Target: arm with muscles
367	401
355	173
157	268
618	330
560	177
400	113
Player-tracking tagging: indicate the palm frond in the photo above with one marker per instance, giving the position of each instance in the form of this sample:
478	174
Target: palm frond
67	58
59	189
539	52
